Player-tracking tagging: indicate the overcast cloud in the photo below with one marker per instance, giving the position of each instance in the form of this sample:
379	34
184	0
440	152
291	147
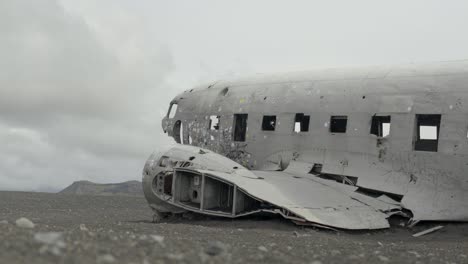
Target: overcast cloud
84	84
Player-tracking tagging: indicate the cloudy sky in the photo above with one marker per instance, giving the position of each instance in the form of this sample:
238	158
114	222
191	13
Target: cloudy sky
84	84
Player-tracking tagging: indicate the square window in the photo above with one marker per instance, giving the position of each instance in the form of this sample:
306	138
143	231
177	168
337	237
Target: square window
380	126
427	133
338	124
269	123
301	123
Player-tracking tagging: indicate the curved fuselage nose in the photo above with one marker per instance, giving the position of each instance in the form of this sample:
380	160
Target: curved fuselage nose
151	171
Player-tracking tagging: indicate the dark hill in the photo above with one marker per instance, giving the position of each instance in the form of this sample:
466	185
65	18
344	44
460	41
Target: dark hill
132	188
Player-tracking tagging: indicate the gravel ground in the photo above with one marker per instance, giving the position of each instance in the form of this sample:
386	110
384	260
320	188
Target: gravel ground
118	229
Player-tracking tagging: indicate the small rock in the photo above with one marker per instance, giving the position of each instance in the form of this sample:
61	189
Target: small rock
157	238
24	223
107	258
335	252
383	258
177	257
4	222
48	237
216	248
416	254
83	227
262	248
52	241
296	233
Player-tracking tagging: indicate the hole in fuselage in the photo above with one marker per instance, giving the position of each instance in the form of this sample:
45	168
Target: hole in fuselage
177	132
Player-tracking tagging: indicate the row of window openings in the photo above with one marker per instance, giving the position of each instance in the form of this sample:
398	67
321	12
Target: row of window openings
428	125
380	124
426	138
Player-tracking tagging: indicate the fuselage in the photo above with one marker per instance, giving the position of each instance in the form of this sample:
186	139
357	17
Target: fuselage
398	130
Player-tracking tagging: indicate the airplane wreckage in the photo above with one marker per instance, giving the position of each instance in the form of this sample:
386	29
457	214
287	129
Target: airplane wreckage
345	148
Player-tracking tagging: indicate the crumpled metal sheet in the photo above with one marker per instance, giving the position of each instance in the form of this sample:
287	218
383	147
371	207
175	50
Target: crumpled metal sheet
304	198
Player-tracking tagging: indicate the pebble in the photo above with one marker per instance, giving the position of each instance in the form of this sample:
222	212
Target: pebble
24	223
175	256
107	258
383	258
416	254
335	252
215	248
157	238
262	248
53	242
48	237
83	227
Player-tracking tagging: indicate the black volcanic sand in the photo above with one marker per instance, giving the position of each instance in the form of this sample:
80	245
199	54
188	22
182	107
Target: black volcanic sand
118	229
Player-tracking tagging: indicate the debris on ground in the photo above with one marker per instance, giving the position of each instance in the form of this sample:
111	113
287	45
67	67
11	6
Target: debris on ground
430	230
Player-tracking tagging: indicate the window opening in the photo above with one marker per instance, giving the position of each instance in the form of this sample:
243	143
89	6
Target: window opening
301	123
177	132
172	110
380	126
240	127
427	132
269	123
338	124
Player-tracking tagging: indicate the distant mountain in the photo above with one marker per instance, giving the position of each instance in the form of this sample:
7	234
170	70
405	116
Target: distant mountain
131	188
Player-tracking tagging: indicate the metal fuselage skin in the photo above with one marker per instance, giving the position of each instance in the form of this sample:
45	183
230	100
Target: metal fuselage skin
433	183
